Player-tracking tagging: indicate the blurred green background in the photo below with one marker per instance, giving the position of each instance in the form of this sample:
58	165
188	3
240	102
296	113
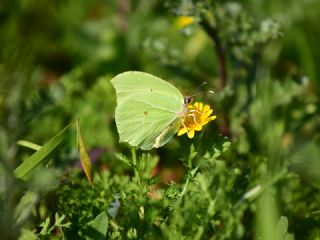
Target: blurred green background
56	62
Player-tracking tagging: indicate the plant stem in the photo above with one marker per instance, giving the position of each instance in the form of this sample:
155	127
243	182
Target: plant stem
213	33
184	190
135	165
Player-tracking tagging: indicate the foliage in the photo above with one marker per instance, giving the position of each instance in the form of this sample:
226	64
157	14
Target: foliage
251	174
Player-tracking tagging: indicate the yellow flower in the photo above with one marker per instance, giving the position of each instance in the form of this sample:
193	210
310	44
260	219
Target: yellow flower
196	117
184	21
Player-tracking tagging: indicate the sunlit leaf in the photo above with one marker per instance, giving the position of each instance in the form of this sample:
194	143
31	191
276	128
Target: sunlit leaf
28	144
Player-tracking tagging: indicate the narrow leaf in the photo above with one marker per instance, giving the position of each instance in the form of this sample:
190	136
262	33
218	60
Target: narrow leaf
28	144
84	157
35	159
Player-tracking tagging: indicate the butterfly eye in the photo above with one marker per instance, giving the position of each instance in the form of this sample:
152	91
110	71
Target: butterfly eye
188	99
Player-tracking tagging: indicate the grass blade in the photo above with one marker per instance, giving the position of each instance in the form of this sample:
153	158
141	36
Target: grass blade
28	144
35	159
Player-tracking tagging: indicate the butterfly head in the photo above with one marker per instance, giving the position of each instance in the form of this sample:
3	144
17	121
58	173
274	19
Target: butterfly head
188	99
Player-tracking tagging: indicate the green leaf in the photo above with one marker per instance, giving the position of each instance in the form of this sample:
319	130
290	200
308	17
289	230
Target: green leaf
28	144
282	229
24	207
45	227
27	234
98	227
35	159
84	157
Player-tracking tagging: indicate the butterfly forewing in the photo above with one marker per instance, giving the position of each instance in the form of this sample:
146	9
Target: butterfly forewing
133	82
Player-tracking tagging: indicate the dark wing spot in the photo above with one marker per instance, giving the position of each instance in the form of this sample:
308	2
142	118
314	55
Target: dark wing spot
145	113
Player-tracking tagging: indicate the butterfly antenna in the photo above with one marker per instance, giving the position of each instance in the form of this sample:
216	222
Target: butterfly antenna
196	90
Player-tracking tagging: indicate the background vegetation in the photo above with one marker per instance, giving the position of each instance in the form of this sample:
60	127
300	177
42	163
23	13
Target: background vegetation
254	173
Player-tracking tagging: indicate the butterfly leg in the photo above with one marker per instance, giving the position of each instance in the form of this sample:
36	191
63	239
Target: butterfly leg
194	116
182	122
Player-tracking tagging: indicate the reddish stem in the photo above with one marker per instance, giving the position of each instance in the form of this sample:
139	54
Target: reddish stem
213	33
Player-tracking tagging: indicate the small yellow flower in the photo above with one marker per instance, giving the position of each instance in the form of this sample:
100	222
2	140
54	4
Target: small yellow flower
195	118
184	21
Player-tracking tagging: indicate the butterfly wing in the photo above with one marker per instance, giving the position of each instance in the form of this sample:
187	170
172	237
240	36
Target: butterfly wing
147	112
133	82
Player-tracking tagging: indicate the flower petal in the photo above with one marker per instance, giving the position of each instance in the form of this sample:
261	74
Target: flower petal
206	108
182	131
212	118
198	127
190	133
208	120
208	113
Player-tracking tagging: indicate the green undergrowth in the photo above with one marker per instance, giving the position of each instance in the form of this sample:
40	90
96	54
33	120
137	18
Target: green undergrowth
252	173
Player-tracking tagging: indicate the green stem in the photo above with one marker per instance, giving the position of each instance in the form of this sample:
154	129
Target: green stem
184	190
135	165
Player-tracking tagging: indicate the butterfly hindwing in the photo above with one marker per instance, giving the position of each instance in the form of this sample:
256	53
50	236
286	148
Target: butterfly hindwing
140	122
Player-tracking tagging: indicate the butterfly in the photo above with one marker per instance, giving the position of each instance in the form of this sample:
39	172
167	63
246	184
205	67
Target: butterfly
149	110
